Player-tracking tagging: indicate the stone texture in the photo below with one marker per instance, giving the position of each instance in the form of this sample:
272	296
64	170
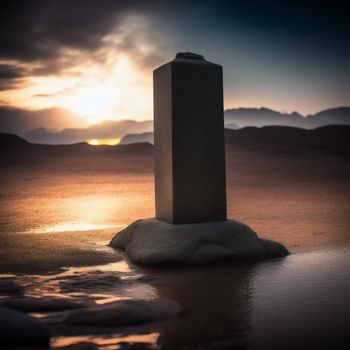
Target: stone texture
189	141
154	242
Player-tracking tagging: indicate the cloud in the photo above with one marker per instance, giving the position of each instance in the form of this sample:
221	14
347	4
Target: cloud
42	95
8	71
139	37
36	31
9	84
93	58
11	76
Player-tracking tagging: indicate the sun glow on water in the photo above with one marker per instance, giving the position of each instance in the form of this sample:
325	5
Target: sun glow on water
99	142
70	227
110	342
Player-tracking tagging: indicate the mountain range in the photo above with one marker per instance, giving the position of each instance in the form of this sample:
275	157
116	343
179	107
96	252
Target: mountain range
45	126
286	140
108	129
242	117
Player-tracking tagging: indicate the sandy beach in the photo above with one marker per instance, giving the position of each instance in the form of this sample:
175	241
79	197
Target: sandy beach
60	210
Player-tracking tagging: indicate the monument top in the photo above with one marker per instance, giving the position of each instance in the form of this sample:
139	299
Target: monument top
189	56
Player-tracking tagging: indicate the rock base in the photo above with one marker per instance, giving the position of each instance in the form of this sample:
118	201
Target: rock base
154	242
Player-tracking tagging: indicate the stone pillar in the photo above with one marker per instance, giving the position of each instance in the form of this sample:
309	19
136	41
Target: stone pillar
190	181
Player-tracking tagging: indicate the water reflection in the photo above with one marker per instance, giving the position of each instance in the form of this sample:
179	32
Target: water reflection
110	342
217	303
81	206
302	302
70	227
101	284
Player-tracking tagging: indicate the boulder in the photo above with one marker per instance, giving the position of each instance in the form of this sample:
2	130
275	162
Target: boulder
20	329
90	281
30	304
124	313
9	287
154	242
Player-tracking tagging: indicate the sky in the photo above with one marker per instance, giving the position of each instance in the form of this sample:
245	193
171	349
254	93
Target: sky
95	57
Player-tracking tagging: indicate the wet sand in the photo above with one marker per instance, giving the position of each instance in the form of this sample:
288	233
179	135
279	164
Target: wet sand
60	209
61	203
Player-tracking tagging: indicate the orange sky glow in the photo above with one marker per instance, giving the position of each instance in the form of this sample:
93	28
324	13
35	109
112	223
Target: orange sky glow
113	83
96	92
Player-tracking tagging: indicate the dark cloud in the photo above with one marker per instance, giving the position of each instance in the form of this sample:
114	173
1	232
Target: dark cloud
37	30
9	71
11	76
10	84
52	36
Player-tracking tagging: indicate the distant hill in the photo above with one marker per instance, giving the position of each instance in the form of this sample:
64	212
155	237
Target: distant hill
333	138
11	140
104	130
271	141
231	126
340	115
242	117
79	157
136	138
267	133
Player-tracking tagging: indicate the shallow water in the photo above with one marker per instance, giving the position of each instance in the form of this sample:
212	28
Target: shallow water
299	302
302	301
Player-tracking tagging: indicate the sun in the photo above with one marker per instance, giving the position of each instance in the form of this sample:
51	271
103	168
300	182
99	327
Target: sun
99	142
94	104
99	94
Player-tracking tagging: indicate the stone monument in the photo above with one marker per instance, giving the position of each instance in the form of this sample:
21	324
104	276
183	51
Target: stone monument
189	141
191	225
